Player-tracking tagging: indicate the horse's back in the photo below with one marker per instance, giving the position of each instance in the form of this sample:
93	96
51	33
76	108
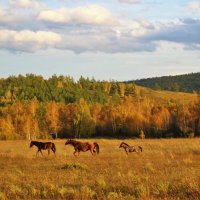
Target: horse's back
83	146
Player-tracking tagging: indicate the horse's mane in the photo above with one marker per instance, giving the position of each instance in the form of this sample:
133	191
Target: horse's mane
125	144
35	142
72	142
38	142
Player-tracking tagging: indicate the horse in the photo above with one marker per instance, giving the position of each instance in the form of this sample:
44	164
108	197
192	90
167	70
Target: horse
129	149
44	146
83	146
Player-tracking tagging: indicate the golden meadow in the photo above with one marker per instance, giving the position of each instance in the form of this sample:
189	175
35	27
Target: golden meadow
166	169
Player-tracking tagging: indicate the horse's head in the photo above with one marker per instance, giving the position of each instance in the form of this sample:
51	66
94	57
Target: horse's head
31	144
123	144
68	142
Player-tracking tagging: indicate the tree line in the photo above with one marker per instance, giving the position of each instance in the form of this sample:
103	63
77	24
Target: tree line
178	83
63	89
32	107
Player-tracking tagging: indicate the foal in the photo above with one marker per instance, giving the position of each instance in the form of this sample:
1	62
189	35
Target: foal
129	149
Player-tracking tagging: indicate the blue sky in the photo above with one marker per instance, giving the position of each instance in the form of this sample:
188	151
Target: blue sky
107	39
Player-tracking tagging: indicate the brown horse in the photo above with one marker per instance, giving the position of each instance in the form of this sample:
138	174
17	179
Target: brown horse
44	146
83	146
129	149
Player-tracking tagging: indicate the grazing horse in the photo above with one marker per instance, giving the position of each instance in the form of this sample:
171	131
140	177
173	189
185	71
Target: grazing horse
129	149
44	146
83	146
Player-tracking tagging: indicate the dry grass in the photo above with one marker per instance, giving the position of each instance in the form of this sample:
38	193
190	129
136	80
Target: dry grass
163	96
166	169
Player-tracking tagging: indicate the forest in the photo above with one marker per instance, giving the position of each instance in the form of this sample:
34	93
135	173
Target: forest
182	83
33	107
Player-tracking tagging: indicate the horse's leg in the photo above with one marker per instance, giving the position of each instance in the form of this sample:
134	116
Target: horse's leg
126	151
53	151
92	150
136	150
75	152
41	152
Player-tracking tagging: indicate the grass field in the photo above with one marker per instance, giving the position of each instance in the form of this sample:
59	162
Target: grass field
166	169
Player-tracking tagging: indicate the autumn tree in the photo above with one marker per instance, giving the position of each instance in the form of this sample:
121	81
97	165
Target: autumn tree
52	117
31	127
7	130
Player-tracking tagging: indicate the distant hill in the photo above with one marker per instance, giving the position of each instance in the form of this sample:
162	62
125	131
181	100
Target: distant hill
179	83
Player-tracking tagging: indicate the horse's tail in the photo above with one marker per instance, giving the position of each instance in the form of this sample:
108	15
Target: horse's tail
96	146
53	147
140	148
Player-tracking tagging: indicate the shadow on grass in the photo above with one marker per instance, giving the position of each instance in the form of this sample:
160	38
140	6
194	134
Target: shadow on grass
196	152
77	166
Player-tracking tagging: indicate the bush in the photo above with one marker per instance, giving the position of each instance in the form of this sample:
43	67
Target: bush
190	135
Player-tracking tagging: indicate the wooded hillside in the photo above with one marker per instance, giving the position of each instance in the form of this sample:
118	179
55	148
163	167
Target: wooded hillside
31	106
182	83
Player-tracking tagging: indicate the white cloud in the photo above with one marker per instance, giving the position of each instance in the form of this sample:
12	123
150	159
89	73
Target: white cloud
194	5
8	17
129	1
91	14
28	4
14	18
27	40
108	41
55	16
134	28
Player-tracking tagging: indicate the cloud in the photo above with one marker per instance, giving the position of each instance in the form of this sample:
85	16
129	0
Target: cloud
185	32
194	5
27	41
28	4
15	19
134	28
106	40
129	1
125	36
88	28
8	16
91	14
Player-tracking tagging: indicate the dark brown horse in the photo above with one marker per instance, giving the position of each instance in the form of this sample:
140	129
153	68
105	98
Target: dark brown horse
44	146
129	149
83	146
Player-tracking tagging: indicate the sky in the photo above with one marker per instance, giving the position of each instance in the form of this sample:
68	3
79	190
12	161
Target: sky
106	39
